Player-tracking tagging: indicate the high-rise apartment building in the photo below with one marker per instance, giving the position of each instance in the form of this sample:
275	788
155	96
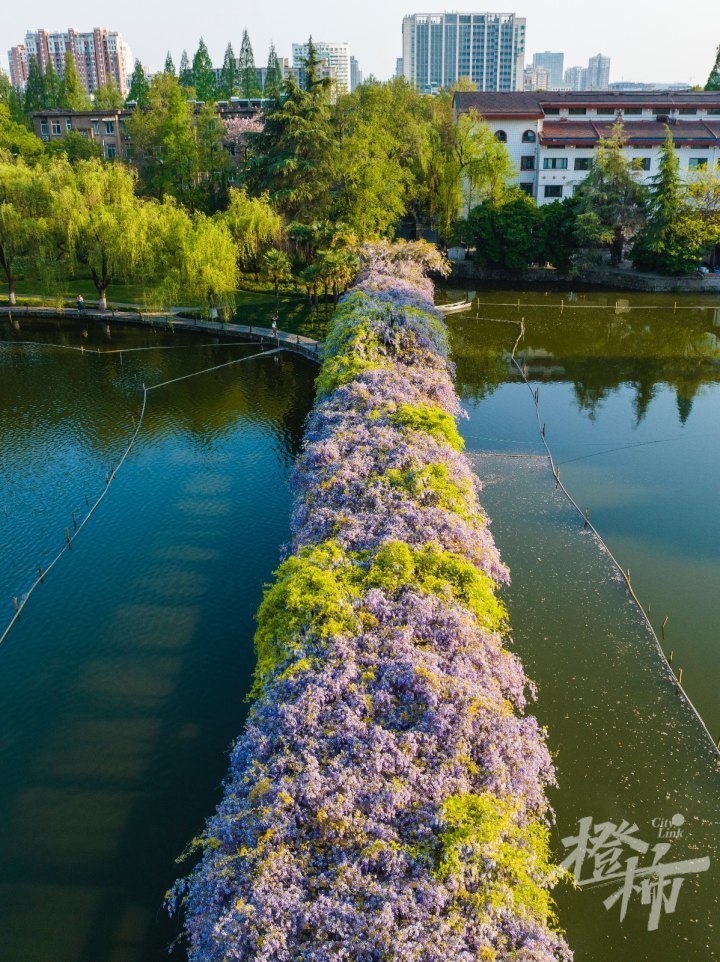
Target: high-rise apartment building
553	62
575	78
100	55
598	73
537	78
356	77
336	56
440	48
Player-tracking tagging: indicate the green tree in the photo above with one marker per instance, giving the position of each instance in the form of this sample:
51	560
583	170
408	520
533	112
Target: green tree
229	75
163	143
676	235
107	228
139	86
249	86
507	233
53	87
558	226
72	92
185	75
713	81
273	75
372	184
108	97
206	264
254	226
291	158
213	161
169	67
34	88
611	201
26	212
277	268
203	75
12	100
16	140
74	146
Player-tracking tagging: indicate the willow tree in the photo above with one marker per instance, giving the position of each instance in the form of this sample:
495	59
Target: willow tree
26	217
209	263
254	226
107	227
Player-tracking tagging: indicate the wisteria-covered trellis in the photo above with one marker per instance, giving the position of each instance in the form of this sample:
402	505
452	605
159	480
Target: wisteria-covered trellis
387	798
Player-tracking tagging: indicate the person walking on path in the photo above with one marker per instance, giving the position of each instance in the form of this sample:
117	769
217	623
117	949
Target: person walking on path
273	326
80	303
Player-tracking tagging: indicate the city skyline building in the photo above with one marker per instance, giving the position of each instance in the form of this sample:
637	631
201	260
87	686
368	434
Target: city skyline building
100	55
440	48
553	62
336	55
536	78
356	77
596	76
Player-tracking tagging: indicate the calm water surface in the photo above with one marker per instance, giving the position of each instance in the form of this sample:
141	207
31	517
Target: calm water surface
631	403
124	682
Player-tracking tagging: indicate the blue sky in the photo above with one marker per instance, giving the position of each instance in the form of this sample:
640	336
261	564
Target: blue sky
653	42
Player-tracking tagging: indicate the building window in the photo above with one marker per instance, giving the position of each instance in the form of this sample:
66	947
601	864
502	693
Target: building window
528	188
501	136
552	111
56	127
527	163
583	163
555	163
111	151
109	126
95	127
528	137
697	163
44	129
632	111
553	190
68	124
688	111
577	111
714	111
640	163
605	111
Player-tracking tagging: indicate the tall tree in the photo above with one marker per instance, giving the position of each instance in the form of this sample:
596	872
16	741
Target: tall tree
291	158
248	74
611	200
53	87
185	75
713	81
277	268
203	75
163	142
34	88
229	75
26	209
214	162
254	226
676	235
72	93
107	227
139	86
108	97
169	67
273	75
12	99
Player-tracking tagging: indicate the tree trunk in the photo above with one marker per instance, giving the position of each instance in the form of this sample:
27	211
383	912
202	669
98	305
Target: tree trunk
11	292
102	299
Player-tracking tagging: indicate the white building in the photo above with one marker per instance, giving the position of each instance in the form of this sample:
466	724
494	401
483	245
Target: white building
336	56
537	78
598	73
553	62
440	48
552	137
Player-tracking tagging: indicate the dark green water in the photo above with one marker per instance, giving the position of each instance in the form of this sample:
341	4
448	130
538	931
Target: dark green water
124	682
631	403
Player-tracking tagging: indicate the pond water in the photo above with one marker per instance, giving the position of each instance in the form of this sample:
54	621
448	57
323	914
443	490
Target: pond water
125	679
629	394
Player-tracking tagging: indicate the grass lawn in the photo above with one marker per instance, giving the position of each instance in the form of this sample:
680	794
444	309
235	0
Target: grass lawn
254	303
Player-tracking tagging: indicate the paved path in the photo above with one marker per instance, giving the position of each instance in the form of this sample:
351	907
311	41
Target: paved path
297	343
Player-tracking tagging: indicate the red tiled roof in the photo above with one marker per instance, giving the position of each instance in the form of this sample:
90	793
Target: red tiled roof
524	103
494	104
637	132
